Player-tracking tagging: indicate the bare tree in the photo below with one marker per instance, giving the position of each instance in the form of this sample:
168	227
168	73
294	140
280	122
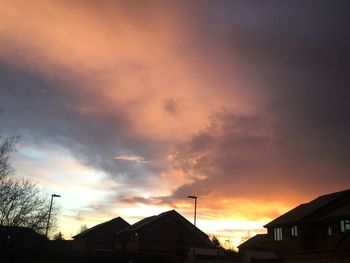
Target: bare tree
82	228
215	241
58	236
7	146
21	203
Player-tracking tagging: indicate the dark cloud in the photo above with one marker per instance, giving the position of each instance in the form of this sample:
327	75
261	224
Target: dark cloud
38	112
298	56
170	106
226	155
301	64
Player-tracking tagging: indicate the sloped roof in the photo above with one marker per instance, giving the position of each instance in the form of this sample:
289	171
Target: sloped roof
175	215
23	237
304	210
339	211
139	224
257	242
20	230
119	222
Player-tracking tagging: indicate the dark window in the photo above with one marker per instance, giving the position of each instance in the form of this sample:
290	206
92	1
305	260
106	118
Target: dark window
294	231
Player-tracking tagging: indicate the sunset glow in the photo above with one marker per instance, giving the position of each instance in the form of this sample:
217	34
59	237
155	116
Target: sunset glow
125	108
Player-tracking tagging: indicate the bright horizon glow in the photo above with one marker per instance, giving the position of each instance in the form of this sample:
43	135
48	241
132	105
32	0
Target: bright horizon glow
229	231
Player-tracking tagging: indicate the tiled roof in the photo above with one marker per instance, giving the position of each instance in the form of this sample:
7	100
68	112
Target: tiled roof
304	210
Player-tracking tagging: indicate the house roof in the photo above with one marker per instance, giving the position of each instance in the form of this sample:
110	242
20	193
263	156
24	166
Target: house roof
119	223
23	237
173	214
339	211
257	242
139	224
19	230
304	210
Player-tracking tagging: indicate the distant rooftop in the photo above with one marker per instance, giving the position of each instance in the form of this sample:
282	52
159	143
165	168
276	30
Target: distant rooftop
118	221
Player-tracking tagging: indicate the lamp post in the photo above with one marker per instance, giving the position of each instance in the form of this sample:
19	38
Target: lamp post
48	219
195	207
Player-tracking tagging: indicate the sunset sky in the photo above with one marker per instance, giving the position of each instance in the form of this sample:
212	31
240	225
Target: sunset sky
126	107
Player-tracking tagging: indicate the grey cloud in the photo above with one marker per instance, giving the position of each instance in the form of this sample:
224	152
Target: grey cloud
37	111
170	106
296	53
235	150
165	200
239	164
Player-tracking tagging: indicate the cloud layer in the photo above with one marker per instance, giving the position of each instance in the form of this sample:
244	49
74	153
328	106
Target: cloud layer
236	102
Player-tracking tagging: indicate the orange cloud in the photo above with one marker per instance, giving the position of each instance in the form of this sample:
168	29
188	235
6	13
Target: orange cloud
127	61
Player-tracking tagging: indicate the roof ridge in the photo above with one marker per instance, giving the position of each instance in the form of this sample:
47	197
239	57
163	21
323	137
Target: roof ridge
99	225
143	222
305	210
148	220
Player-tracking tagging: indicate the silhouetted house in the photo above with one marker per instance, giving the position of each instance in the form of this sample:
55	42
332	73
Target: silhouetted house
61	245
322	224
166	233
21	238
312	229
99	236
258	242
258	249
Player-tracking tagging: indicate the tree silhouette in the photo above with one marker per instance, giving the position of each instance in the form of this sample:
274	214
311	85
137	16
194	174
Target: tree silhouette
82	229
58	236
7	146
215	241
21	203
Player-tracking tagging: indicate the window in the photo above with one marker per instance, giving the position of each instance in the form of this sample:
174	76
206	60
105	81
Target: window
329	231
277	233
294	231
345	225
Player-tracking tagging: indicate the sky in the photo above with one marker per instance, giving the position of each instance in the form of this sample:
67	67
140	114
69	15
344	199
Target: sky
125	108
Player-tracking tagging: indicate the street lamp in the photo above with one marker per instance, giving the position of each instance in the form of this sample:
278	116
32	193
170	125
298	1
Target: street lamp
48	220
195	207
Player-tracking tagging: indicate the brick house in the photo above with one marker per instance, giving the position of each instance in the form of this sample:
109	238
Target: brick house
166	233
319	226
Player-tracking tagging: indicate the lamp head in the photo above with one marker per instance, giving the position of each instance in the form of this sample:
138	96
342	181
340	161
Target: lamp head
54	195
